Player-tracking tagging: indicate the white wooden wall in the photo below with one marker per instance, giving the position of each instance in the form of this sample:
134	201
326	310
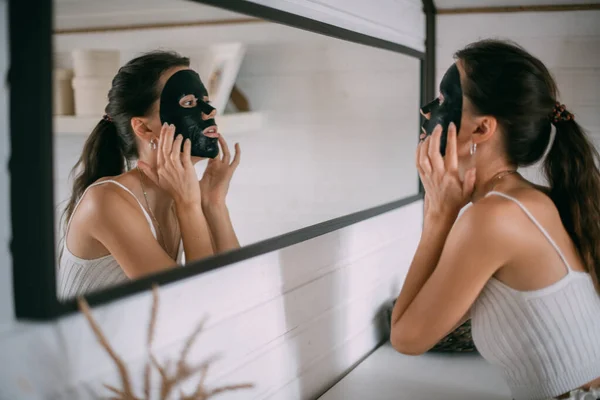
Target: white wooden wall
567	42
399	21
445	4
291	321
77	14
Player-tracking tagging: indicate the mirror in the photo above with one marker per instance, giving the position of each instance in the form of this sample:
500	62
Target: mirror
326	128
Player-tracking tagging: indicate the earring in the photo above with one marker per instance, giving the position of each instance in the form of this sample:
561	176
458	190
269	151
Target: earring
473	148
153	144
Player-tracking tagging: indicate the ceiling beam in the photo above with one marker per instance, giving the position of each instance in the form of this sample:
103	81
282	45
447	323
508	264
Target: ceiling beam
166	25
513	9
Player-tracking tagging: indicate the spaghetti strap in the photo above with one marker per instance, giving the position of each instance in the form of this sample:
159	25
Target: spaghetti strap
122	187
536	223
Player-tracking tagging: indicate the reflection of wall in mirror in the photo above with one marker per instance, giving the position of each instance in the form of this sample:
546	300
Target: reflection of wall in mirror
341	131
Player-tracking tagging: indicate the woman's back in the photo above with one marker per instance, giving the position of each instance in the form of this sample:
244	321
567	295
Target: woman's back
543	339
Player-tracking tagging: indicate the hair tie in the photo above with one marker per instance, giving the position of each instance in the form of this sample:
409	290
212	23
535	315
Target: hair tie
560	114
107	118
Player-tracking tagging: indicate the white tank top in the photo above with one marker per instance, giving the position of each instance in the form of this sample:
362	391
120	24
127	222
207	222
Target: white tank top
77	276
547	341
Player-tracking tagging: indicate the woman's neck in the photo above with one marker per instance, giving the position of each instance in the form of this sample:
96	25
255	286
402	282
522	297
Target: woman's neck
489	177
159	199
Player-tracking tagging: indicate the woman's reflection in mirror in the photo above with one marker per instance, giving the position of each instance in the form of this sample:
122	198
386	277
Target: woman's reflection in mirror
137	207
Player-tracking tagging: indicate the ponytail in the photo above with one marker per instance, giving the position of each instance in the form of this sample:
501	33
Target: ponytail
102	156
571	168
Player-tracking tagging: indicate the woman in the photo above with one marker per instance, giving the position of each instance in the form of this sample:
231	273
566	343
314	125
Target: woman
522	261
124	223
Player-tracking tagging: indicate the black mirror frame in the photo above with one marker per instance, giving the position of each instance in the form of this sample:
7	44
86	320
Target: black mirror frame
31	158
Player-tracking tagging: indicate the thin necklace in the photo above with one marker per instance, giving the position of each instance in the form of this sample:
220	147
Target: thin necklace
496	178
151	212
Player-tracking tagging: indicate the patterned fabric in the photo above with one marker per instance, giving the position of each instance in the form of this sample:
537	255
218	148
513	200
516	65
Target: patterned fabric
457	341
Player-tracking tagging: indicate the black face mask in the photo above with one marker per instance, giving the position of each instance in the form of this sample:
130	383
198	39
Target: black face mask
188	121
450	109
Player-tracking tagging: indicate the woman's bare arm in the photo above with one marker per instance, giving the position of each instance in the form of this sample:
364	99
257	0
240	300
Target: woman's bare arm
214	186
474	250
221	228
195	234
122	228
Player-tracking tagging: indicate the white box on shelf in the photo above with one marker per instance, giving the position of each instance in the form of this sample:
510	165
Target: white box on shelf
62	92
89	63
91	95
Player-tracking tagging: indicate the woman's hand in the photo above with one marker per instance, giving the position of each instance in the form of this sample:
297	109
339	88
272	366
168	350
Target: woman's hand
175	171
445	192
214	184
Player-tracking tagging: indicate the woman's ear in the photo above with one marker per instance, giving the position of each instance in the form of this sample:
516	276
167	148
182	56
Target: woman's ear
141	129
485	129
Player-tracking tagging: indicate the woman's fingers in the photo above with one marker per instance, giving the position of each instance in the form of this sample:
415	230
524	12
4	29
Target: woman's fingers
175	155
451	158
418	152
433	151
225	148
237	157
186	155
167	135
160	159
424	164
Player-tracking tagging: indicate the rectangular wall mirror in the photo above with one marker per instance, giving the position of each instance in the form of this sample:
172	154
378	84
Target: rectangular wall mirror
325	128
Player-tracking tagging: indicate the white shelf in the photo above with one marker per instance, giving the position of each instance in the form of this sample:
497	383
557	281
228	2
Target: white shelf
229	124
387	374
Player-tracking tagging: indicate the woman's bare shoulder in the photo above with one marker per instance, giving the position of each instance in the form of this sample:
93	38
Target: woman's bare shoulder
107	200
505	216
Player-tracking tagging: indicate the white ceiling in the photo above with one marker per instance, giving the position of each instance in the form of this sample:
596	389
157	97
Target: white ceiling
441	4
73	14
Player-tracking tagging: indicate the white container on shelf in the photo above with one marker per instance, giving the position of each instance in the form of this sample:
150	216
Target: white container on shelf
89	63
62	91
91	95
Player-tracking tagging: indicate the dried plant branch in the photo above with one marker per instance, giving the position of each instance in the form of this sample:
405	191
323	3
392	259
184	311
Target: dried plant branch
163	375
153	315
124	374
168	381
147	383
113	389
188	346
203	375
150	339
